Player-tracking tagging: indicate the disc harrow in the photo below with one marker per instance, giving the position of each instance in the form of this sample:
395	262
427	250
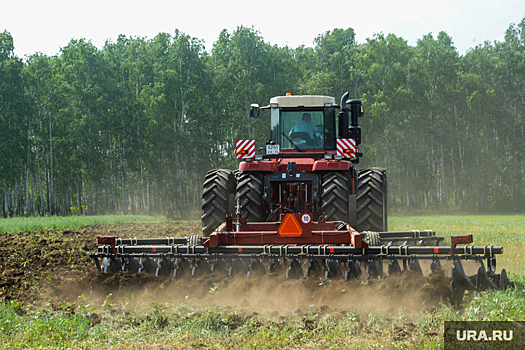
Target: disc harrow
257	249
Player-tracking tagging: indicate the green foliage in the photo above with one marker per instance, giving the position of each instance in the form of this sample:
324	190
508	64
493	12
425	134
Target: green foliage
211	322
43	328
498	305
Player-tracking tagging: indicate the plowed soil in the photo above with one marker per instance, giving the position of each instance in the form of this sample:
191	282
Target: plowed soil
35	266
38	267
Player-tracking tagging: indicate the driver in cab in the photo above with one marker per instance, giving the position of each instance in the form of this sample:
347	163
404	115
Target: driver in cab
304	130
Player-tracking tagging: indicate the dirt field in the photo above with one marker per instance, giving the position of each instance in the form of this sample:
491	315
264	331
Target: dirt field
53	266
36	266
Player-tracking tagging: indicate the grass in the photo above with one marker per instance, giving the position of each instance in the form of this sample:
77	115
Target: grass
21	327
41	328
183	325
22	224
498	306
498	230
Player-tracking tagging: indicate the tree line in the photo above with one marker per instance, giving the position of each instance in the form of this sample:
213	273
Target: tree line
134	126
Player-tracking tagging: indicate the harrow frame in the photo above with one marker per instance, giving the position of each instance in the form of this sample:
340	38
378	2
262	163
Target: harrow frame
322	249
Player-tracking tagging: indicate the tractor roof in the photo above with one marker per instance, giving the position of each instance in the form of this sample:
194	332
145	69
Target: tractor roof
302	101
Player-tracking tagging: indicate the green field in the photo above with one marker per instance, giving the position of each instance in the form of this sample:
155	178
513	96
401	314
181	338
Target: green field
23	224
130	323
498	230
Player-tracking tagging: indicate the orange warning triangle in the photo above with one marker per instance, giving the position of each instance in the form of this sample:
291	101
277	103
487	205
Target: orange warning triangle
290	227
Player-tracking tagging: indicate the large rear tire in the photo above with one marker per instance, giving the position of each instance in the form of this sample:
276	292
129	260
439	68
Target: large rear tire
218	199
335	196
250	196
372	200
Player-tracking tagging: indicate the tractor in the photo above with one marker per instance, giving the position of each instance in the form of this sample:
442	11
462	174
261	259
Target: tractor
309	165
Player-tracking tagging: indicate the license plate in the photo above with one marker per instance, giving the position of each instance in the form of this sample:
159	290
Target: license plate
272	149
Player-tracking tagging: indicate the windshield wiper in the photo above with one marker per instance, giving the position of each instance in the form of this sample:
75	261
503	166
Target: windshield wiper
289	139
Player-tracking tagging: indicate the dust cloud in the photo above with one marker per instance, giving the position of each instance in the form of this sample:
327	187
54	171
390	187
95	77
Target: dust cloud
272	294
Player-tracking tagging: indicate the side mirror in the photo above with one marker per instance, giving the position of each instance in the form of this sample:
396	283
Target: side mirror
254	110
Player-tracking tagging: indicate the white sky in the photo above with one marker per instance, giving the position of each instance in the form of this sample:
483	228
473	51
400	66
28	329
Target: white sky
47	25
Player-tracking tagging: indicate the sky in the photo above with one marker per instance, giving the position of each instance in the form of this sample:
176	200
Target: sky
46	26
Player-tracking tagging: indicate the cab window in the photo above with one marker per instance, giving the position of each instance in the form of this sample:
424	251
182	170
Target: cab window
304	129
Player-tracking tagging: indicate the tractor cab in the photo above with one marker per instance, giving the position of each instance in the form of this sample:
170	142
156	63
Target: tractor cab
308	124
303	123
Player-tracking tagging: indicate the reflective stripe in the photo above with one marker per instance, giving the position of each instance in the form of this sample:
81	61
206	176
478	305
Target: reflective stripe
346	148
245	149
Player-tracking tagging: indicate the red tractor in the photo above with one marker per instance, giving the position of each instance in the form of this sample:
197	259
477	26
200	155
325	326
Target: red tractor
309	166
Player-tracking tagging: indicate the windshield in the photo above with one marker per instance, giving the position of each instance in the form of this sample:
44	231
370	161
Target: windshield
304	129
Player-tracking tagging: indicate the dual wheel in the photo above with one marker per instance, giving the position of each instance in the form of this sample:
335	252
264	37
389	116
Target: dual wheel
366	210
223	189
